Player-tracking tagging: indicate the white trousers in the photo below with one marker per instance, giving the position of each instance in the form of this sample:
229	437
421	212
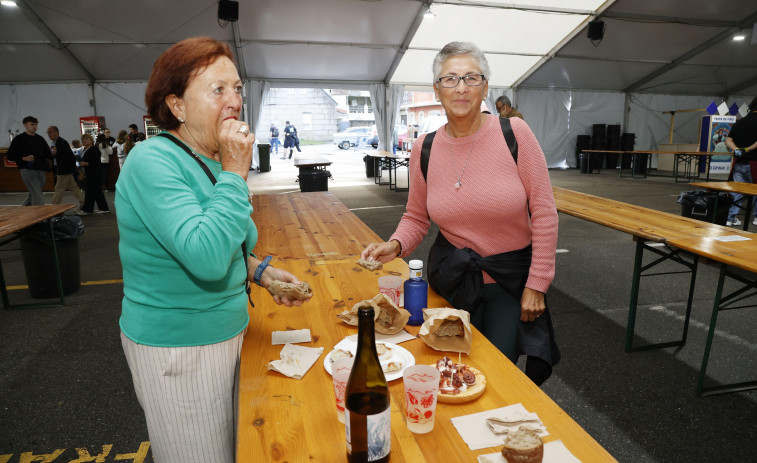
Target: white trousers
189	396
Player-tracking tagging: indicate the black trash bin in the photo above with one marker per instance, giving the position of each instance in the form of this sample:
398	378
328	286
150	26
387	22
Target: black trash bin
640	164
700	204
370	166
583	163
314	180
39	260
264	153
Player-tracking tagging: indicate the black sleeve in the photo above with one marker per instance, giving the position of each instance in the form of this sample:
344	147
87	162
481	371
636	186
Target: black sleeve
14	151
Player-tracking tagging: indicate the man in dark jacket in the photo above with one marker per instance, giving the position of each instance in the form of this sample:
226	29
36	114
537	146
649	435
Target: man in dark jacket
66	166
31	154
742	140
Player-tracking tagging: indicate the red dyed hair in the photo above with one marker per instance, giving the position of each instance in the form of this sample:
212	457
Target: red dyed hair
172	72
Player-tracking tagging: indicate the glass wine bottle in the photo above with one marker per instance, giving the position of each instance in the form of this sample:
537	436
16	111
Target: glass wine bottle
367	414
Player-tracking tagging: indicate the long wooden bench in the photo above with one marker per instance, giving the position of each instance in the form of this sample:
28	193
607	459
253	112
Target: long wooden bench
683	239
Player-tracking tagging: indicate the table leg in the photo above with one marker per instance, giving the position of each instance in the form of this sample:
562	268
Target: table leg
3	289
636	280
748	213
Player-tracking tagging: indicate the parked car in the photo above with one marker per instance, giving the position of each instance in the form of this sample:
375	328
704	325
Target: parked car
401	130
432	123
351	137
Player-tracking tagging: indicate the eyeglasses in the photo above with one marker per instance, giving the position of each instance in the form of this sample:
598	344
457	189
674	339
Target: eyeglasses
471	80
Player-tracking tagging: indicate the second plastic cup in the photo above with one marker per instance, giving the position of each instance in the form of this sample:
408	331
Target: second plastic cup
391	287
421	389
340	374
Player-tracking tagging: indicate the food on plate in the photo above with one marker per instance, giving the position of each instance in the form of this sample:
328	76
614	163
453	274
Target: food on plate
338	354
370	264
459	382
384	351
523	446
451	328
298	292
391	366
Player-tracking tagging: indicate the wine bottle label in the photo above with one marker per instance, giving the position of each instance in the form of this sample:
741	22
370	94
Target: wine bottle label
379	433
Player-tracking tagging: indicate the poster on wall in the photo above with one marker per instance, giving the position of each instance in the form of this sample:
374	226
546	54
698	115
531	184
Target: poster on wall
713	132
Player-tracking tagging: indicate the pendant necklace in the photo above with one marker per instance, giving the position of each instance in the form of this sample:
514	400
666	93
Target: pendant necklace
458	183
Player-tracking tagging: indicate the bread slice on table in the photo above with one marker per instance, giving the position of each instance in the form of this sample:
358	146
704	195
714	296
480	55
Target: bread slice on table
298	292
523	446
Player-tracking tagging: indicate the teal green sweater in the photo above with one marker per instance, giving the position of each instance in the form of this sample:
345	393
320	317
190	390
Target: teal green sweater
181	248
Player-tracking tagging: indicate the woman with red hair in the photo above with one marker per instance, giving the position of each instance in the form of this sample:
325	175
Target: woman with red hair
185	236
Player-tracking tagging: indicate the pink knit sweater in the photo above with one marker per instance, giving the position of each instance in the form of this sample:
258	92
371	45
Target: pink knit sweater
489	212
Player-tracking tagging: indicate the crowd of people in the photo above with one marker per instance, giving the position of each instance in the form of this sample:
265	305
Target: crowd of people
86	164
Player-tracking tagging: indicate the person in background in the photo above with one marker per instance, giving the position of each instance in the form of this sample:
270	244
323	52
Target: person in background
140	137
494	255
296	140
186	238
133	131
90	160
289	137
105	152
65	164
742	140
275	142
31	154
119	147
108	137
505	108
77	149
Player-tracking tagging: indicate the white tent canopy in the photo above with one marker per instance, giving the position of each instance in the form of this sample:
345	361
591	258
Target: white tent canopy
62	60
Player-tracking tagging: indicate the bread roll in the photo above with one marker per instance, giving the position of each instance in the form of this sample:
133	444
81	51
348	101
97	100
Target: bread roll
370	264
523	446
298	292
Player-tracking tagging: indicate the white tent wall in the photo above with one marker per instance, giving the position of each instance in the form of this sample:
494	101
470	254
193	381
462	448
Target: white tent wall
547	113
589	108
52	104
121	104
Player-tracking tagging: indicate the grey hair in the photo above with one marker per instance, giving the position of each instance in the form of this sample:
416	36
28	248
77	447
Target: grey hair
458	49
504	100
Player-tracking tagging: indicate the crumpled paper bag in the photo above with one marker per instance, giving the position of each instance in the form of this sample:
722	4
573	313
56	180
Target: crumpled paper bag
441	320
295	360
388	318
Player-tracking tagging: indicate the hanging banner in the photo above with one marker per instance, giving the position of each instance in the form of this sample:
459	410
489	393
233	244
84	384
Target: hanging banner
713	132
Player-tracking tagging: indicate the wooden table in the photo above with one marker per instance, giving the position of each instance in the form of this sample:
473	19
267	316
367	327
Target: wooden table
283	419
17	218
392	161
685	158
677	234
747	190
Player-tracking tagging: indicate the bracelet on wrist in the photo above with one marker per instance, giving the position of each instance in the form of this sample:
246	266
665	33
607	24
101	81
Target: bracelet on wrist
261	268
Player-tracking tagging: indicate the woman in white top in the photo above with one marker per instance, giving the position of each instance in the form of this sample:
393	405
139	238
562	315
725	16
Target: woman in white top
121	147
105	152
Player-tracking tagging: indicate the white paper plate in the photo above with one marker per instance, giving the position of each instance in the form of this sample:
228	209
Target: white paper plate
399	354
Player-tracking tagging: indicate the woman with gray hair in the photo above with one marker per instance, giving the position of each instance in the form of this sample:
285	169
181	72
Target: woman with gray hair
490	194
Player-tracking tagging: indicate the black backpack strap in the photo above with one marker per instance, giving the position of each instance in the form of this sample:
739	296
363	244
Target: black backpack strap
512	143
507	131
426	152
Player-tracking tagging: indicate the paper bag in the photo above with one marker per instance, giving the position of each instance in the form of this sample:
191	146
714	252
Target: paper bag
447	330
388	318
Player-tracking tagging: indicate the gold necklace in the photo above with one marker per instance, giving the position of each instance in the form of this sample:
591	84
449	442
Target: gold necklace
458	183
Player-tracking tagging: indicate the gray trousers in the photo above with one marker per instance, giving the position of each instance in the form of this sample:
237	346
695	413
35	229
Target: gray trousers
35	183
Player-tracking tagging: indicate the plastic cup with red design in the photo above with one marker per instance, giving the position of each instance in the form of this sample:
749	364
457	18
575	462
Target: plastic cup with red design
421	389
340	374
391	287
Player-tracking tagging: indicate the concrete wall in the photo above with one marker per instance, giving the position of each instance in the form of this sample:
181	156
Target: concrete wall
298	105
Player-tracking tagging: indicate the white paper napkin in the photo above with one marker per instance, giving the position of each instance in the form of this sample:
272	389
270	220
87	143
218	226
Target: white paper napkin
296	360
476	433
554	452
396	338
290	337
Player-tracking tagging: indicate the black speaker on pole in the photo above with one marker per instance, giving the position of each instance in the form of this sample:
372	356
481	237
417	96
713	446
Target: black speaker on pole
228	10
596	30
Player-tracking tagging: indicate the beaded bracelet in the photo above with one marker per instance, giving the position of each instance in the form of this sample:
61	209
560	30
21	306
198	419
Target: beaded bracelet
261	268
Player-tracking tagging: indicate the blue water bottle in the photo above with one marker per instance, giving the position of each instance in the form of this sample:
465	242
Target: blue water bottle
416	293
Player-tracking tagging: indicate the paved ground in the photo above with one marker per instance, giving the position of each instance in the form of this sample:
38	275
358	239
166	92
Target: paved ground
66	394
